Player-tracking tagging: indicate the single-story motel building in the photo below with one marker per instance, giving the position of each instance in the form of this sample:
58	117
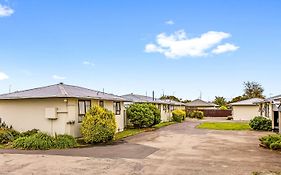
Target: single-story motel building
165	106
58	108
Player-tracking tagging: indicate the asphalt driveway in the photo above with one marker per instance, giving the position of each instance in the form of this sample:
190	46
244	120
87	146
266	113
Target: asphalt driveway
175	149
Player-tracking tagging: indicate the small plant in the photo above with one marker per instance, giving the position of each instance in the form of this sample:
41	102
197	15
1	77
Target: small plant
223	108
272	141
261	123
8	135
195	114
178	115
41	141
65	141
29	133
98	125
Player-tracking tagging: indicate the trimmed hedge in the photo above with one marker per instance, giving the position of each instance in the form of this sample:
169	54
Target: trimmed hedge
195	114
98	125
43	141
272	141
178	115
261	124
143	115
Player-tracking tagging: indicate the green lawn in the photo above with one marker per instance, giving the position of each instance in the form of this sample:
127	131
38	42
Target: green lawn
224	125
131	132
160	125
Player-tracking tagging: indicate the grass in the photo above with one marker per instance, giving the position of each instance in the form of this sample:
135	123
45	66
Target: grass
132	132
224	125
163	124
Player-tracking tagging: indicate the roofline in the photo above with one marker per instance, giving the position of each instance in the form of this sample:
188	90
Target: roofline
93	98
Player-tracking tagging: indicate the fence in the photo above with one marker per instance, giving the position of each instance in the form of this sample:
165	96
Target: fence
216	112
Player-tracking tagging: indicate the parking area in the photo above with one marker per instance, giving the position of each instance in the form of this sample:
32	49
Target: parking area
175	149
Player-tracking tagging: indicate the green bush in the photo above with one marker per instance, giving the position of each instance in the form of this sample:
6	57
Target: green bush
98	125
43	141
8	135
272	141
223	108
156	114
140	115
195	114
65	141
261	123
178	115
29	133
40	141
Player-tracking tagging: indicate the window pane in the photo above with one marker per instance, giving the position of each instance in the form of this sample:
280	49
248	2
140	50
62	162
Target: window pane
101	104
81	105
88	105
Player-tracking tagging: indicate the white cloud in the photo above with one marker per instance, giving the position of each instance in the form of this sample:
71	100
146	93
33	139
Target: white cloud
88	63
3	76
5	11
225	48
57	77
179	45
170	22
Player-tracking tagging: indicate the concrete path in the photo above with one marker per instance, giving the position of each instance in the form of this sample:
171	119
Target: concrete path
175	149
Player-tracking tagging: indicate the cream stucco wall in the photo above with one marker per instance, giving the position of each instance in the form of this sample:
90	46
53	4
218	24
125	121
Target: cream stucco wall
26	114
245	112
30	113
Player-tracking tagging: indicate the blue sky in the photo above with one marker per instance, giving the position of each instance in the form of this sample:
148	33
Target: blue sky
179	47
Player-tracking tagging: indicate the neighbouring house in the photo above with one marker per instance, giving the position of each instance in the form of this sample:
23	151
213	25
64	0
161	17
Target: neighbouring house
165	107
200	104
57	108
176	104
271	108
246	109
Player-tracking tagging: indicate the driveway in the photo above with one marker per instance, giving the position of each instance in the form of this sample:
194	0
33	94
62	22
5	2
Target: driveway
175	149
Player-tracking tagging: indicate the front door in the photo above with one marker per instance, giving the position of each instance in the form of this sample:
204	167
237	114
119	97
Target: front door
276	120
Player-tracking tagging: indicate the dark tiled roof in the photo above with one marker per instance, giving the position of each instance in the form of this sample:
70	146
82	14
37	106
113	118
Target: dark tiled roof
61	90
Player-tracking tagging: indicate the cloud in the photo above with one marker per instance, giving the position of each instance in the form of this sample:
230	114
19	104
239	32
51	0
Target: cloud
225	48
170	22
88	63
5	11
57	77
3	76
179	45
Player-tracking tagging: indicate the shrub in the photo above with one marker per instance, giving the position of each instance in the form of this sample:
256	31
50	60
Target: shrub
8	135
272	141
223	108
98	125
156	114
140	115
43	141
29	133
261	123
39	140
65	141
178	115
195	114
229	118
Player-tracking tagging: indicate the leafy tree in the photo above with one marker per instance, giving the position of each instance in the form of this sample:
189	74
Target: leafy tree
238	98
221	101
186	101
170	97
253	90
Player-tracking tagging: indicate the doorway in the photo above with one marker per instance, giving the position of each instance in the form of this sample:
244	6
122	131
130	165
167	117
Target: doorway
276	121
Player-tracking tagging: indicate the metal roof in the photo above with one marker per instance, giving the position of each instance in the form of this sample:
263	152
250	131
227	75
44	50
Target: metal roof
143	99
271	99
61	91
248	102
200	103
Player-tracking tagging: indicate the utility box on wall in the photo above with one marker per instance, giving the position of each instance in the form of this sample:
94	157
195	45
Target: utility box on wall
51	113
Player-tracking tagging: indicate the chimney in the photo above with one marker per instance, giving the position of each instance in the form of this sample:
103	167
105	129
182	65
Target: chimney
153	96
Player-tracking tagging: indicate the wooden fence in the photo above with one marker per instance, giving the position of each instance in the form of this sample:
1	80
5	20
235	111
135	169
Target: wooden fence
216	112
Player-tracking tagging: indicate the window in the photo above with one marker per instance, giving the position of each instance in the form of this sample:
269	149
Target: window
117	108
101	103
165	107
83	107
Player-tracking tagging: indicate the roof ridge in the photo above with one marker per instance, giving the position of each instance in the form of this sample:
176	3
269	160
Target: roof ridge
28	89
